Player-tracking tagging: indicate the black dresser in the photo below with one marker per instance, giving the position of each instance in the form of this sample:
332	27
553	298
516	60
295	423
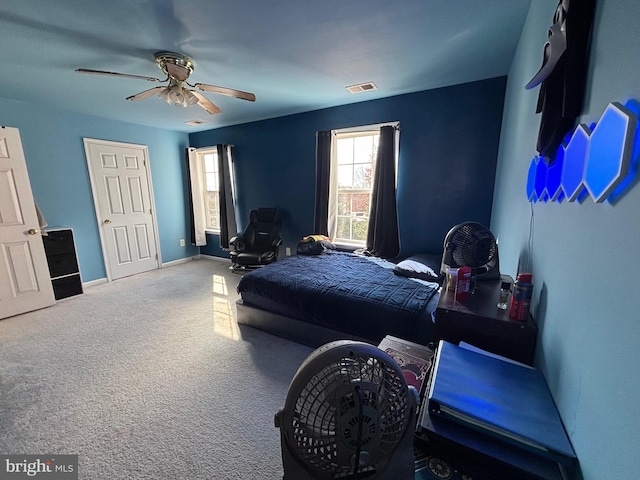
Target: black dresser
60	249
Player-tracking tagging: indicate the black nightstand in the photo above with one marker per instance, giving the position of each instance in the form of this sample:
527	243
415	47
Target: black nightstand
478	321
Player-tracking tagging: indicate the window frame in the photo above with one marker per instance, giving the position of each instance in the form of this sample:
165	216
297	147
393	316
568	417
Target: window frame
200	154
334	190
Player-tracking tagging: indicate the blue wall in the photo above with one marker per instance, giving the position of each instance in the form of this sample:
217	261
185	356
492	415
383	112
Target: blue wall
441	179
585	256
448	149
54	151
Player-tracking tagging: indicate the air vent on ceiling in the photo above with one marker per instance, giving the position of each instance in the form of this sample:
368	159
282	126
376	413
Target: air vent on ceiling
195	123
362	87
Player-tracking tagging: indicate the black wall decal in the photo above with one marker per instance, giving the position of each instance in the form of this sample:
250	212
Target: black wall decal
563	73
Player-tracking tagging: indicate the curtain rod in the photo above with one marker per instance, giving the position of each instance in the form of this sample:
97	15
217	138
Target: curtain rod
365	128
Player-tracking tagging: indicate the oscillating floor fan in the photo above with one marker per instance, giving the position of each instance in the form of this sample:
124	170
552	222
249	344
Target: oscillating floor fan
348	414
471	244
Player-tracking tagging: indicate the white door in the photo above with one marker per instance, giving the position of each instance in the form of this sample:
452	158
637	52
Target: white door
120	179
25	283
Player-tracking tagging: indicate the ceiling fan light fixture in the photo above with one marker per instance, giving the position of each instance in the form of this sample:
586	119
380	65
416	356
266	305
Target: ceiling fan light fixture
164	95
178	96
190	98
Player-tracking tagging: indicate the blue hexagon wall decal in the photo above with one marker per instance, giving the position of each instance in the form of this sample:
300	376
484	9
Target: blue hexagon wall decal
554	177
541	180
609	152
634	167
531	181
574	161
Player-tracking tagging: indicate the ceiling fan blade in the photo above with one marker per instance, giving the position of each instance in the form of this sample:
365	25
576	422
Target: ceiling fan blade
146	93
226	91
115	74
205	103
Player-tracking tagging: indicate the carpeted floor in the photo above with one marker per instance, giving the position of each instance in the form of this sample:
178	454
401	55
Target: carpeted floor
147	377
150	377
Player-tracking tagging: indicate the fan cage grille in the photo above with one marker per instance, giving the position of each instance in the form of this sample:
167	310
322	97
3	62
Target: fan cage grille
472	245
322	427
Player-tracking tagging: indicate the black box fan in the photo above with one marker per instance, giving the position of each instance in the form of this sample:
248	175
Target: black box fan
348	414
471	244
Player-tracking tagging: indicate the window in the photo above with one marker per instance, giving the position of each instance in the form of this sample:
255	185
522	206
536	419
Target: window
355	157
346	181
212	193
208	159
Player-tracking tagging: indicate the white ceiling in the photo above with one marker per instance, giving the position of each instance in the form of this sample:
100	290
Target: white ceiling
295	55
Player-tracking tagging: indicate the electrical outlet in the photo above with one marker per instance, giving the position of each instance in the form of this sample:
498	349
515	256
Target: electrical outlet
287	250
182	242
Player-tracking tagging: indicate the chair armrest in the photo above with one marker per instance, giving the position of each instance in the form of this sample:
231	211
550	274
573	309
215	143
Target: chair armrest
237	243
277	242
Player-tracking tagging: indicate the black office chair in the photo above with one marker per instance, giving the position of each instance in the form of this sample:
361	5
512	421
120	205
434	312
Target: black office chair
258	245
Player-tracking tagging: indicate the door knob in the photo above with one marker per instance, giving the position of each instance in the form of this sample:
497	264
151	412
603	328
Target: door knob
32	231
107	221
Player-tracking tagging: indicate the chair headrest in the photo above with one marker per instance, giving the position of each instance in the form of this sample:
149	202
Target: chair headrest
266	214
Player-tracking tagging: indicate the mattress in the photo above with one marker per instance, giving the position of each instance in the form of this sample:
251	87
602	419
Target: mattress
350	293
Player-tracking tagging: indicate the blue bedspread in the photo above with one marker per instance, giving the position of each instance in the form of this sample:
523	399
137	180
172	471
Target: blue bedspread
345	292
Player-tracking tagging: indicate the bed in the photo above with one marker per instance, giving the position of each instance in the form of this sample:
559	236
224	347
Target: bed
314	299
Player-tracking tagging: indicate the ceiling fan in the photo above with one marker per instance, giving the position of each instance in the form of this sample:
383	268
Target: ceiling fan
177	68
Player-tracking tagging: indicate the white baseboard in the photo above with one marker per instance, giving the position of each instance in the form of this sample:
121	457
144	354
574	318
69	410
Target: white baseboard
215	259
196	257
181	260
94	282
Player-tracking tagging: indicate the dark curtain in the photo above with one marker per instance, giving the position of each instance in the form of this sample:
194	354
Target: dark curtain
382	236
228	228
192	227
323	167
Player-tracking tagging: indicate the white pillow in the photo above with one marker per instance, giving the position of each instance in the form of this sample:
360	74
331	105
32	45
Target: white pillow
417	267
